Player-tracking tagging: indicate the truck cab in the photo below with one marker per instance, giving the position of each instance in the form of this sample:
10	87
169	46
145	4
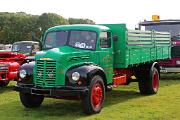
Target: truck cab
75	46
172	65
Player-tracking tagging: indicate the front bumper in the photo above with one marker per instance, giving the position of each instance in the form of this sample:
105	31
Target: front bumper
51	92
170	70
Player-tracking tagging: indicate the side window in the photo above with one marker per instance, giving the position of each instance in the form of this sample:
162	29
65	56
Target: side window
105	40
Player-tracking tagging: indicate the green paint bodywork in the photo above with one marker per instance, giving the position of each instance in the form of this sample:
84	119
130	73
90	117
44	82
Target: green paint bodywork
55	62
65	58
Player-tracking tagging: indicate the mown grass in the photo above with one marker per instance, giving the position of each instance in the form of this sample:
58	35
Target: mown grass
123	103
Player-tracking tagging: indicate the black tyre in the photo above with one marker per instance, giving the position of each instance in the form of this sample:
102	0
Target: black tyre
93	101
4	83
31	101
149	81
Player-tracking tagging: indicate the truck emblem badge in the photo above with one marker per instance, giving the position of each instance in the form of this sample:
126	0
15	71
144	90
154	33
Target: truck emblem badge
50	74
39	74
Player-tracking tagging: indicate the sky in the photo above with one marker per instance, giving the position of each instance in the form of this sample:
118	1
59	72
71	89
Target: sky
101	11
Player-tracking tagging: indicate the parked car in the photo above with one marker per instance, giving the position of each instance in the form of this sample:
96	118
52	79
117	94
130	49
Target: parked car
10	61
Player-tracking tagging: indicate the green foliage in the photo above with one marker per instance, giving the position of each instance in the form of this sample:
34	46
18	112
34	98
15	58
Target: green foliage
80	21
20	26
17	26
47	20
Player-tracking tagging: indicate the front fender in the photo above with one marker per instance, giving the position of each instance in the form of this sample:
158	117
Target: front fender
29	70
86	73
29	59
155	64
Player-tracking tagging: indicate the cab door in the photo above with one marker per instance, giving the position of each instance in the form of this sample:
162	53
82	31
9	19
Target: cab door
106	54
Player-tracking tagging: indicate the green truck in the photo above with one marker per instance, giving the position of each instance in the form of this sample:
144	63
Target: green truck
84	61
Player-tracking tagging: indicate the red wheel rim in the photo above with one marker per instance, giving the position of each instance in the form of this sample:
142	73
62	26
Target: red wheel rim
97	95
155	81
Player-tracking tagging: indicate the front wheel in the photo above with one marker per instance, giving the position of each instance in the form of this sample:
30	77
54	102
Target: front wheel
4	83
31	101
149	81
93	101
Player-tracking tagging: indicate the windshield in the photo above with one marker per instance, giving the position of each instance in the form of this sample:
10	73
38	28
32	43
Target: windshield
177	37
76	38
22	47
173	29
175	51
55	39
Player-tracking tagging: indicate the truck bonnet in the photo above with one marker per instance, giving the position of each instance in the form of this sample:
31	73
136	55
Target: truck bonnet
64	54
11	56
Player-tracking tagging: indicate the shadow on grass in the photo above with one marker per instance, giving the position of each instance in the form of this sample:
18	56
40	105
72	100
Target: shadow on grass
65	109
6	89
75	108
118	96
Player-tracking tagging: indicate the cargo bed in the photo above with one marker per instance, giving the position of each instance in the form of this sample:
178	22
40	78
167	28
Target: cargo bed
137	46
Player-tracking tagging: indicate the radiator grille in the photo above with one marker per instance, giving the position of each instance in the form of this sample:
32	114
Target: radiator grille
45	73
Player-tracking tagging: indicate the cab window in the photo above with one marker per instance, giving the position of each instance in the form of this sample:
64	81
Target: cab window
105	40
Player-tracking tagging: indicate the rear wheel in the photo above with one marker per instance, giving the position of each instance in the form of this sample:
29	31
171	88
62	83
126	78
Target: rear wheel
4	83
31	101
93	101
149	81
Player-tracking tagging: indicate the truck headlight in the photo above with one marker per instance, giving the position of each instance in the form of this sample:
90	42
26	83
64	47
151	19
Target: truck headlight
75	76
22	73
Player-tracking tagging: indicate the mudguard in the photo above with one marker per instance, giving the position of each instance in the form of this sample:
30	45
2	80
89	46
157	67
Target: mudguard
86	72
29	59
155	64
29	69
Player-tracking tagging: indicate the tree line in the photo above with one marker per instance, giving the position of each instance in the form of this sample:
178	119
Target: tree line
20	26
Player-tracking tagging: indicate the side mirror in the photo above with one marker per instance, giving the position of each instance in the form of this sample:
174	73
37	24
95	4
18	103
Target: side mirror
115	38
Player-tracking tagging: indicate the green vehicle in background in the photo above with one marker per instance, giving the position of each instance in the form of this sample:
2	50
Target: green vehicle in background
85	61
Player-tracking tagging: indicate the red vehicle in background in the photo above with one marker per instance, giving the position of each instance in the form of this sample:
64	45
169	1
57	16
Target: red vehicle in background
172	65
173	26
10	61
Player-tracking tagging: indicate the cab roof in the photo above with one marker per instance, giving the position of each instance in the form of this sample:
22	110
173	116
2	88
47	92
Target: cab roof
97	28
25	42
160	22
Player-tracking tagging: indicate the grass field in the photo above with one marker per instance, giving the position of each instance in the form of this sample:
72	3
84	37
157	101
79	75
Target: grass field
123	103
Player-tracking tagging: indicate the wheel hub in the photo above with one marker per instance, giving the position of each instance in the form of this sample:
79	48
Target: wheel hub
155	81
97	94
